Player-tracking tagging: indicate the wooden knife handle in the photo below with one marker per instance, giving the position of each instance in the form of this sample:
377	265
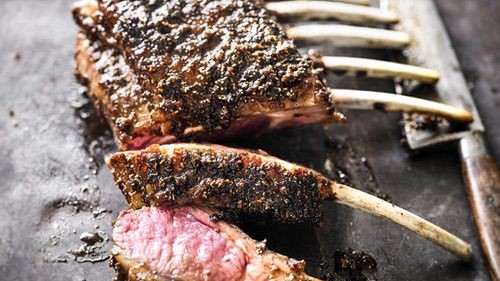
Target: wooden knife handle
483	187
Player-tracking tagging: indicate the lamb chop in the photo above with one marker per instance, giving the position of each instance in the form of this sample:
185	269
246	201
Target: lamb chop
173	70
185	244
243	181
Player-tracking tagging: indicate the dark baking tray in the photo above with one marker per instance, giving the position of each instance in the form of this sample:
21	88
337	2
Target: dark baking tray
56	187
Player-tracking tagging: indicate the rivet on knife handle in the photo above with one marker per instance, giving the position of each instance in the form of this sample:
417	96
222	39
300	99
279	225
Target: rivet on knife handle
483	187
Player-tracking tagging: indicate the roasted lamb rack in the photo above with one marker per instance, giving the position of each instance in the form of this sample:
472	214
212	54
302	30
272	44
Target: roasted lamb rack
185	244
168	70
243	181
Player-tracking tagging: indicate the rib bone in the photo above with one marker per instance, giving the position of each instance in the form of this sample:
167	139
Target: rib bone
307	10
380	68
243	181
390	102
352	36
356	2
370	204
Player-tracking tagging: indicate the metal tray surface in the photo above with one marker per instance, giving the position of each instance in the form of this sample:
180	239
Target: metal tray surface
55	186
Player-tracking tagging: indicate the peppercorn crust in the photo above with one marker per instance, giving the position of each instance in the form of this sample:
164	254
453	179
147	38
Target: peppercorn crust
184	67
213	176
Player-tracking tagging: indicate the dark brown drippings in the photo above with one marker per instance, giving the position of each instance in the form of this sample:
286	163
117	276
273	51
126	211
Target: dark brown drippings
91	238
349	265
17	56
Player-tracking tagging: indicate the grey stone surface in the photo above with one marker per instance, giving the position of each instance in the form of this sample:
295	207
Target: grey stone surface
56	187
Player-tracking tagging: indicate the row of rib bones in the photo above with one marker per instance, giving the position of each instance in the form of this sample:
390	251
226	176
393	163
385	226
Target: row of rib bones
367	37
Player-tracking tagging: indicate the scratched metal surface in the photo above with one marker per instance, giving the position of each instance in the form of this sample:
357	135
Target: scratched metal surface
55	186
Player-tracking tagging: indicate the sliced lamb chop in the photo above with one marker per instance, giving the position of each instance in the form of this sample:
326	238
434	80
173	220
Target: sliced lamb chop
250	182
185	244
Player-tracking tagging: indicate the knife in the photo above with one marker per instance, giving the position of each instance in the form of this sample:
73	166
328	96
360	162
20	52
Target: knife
431	47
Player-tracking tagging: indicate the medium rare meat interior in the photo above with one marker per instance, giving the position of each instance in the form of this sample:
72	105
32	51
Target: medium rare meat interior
164	70
184	244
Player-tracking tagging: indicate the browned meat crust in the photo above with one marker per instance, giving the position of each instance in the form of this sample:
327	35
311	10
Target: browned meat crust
192	64
112	89
218	177
115	92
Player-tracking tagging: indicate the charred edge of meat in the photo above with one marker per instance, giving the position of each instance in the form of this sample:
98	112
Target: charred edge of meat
202	65
348	265
128	270
238	181
121	273
112	89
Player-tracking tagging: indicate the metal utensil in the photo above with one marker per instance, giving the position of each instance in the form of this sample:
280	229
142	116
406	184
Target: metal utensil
430	46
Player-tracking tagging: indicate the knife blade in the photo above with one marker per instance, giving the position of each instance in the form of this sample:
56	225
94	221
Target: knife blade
431	47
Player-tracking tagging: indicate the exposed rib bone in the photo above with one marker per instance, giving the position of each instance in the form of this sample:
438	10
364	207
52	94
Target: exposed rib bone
380	208
357	2
380	68
352	36
391	102
306	10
